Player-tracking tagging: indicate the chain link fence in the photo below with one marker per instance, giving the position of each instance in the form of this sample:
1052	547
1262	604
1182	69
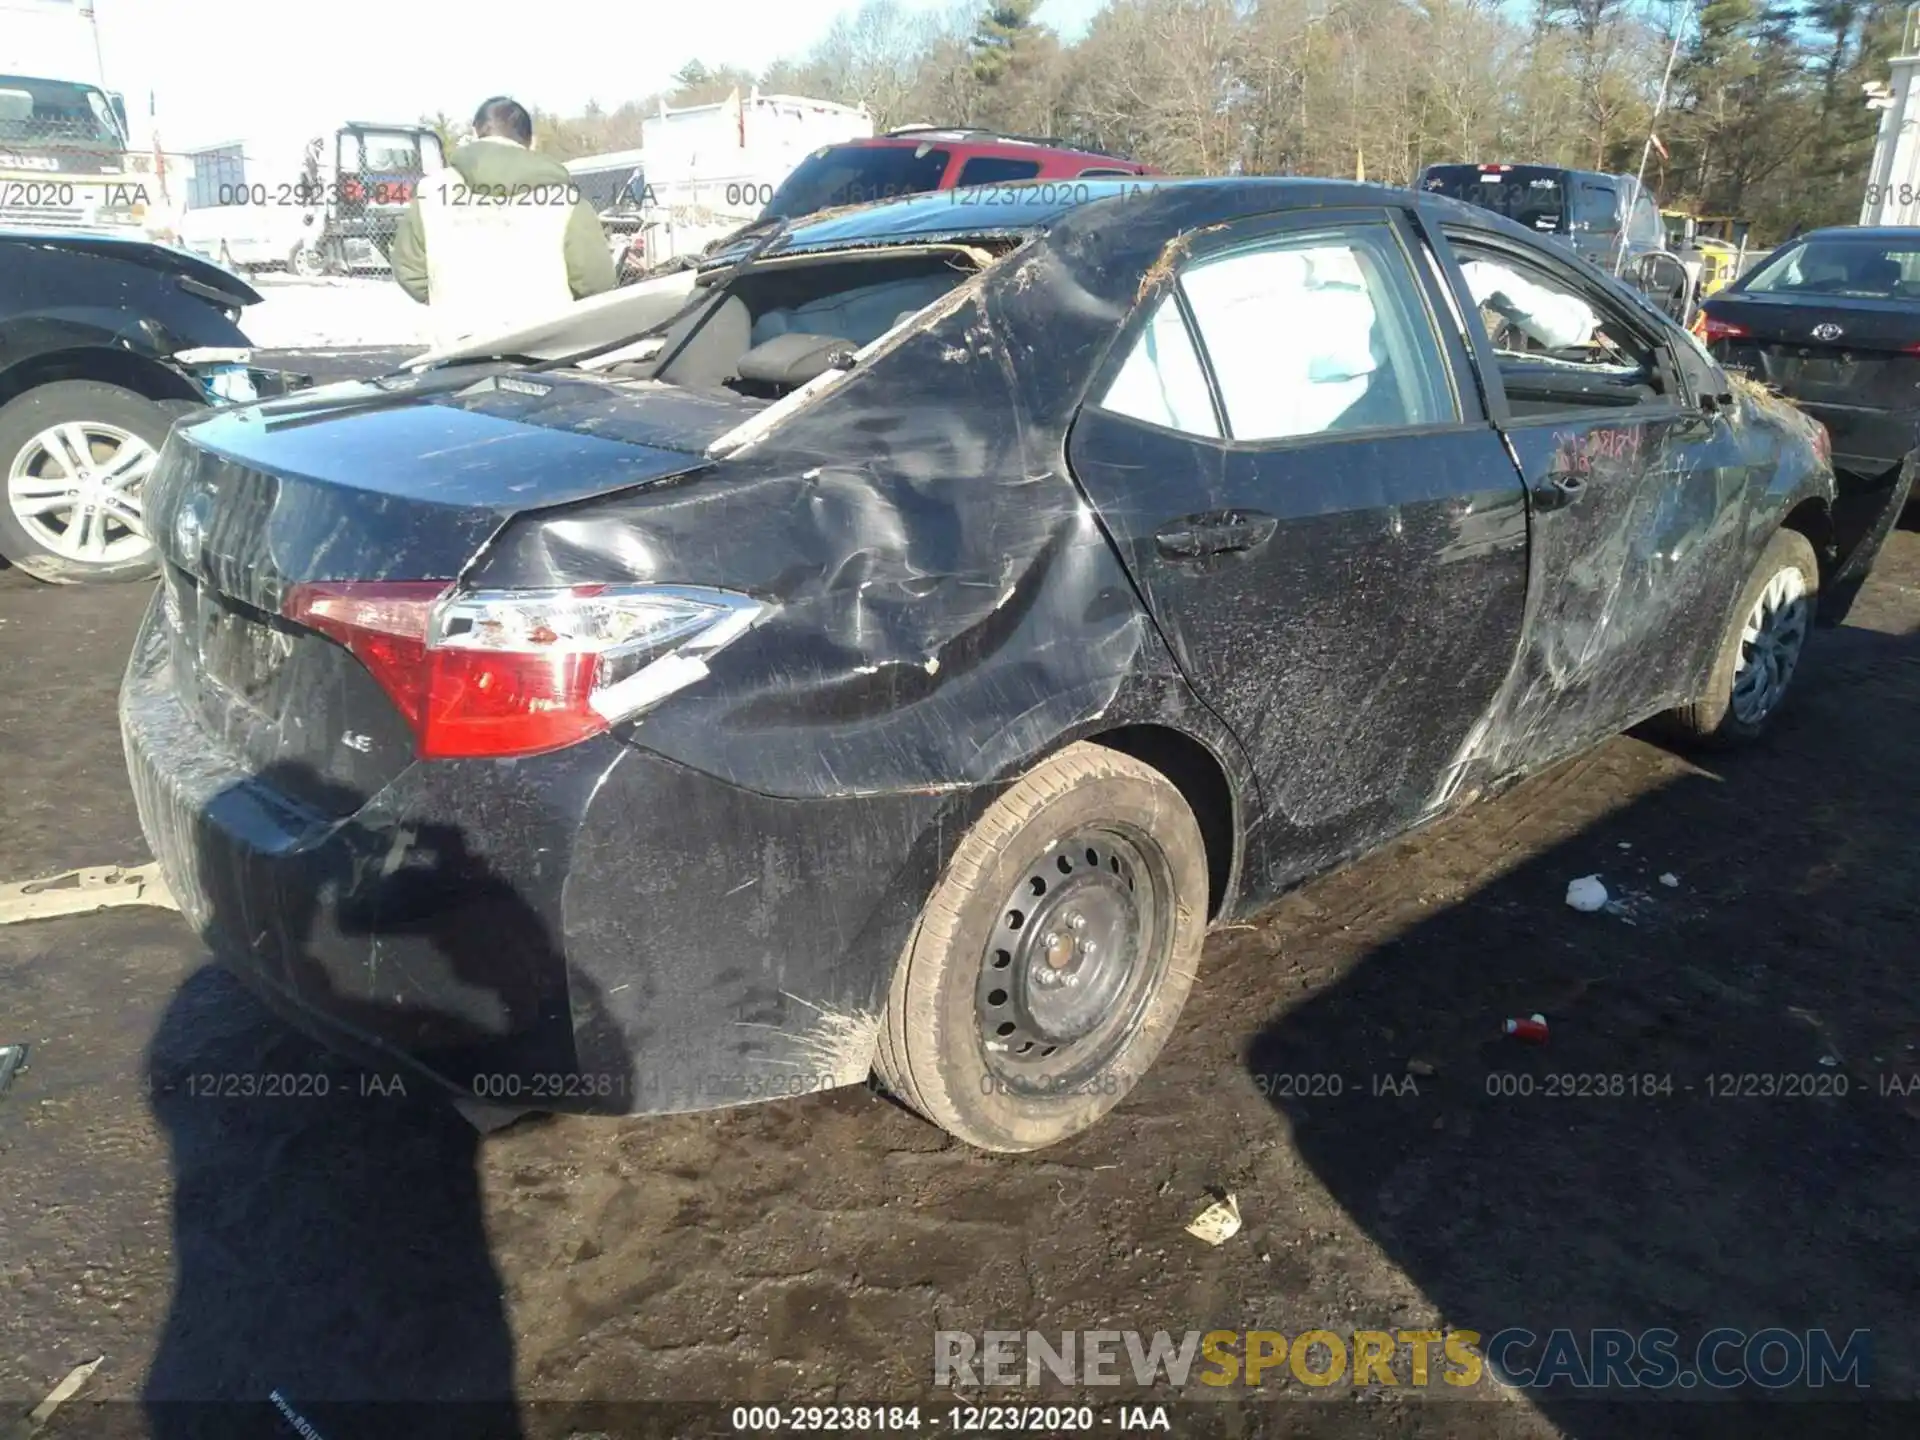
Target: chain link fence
329	206
65	163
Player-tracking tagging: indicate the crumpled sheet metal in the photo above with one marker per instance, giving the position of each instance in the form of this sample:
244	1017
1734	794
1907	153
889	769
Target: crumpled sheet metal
947	605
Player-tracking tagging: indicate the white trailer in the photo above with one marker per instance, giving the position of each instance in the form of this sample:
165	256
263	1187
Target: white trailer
1893	179
712	168
54	38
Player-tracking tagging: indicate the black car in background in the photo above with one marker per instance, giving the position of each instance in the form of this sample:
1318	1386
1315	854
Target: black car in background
1831	319
104	342
971	601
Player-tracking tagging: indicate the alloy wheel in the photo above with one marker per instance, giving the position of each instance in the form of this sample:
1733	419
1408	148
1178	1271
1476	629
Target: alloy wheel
76	488
308	263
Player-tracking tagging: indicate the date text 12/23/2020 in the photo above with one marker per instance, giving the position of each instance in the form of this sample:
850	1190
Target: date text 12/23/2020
962	1419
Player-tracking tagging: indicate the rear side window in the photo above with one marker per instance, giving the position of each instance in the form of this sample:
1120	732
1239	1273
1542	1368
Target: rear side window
857	175
996	170
1162	381
1319	333
1596	206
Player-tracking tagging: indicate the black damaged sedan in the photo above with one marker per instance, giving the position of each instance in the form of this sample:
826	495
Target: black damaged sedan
890	650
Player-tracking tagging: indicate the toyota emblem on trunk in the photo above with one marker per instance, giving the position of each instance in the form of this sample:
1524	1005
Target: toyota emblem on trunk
190	526
1827	331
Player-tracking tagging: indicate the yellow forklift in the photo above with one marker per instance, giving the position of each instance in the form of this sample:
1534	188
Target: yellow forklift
1713	247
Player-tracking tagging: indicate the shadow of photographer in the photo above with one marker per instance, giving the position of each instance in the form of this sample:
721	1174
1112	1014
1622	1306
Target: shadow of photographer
1718	1131
330	1240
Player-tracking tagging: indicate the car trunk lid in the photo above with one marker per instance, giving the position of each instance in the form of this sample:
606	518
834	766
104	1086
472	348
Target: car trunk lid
404	484
1857	353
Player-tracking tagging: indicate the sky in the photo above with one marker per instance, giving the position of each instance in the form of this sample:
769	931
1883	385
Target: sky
226	72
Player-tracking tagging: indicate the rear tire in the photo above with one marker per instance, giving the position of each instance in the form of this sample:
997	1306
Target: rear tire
1762	648
42	436
1053	958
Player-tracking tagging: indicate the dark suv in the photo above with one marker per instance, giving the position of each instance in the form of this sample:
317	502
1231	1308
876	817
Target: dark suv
1582	210
918	158
1610	221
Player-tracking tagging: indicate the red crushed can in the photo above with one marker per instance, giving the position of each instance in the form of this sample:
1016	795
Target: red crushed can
1533	1029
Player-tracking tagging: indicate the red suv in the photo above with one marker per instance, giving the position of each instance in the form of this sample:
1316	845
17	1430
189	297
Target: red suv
918	158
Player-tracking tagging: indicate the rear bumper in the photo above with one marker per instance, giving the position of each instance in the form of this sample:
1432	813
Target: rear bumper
1865	510
596	930
1865	441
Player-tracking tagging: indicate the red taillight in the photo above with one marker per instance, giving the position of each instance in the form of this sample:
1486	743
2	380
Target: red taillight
384	624
481	702
519	672
459	703
1712	329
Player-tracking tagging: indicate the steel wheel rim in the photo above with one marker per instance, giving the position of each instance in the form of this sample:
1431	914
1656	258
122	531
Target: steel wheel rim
1771	640
76	489
1056	1000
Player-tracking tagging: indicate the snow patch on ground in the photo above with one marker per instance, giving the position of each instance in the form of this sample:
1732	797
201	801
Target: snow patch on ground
333	311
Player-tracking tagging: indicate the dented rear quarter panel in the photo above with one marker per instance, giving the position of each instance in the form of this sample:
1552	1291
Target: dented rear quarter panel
949	611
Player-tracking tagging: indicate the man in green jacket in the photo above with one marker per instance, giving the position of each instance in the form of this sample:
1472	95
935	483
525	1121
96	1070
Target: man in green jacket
502	216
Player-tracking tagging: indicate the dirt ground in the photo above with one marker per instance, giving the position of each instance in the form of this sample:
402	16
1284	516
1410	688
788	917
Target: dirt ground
368	1246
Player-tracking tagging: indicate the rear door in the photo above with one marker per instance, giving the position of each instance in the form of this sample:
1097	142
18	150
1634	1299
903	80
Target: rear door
1327	530
1638	496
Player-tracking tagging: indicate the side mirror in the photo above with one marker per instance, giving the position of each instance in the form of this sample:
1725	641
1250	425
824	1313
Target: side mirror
119	104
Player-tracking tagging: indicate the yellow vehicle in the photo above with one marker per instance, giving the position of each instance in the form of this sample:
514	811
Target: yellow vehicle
1712	244
1719	263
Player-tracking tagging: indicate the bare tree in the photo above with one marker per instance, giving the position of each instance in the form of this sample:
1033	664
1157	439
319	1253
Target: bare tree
1763	106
